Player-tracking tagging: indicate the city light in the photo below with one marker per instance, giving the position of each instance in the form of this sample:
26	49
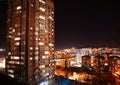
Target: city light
30	41
30	54
87	60
2	63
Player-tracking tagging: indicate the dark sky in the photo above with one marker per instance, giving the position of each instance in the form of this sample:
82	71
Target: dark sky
80	23
3	15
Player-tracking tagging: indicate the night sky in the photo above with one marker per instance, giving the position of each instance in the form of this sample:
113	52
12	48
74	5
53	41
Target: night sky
79	23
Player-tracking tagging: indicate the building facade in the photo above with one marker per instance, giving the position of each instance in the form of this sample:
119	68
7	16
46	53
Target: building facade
30	41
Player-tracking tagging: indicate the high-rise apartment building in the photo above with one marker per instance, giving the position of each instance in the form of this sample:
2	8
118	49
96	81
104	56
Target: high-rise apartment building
30	41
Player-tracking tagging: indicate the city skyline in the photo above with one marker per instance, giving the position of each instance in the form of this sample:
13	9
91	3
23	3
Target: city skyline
80	24
59	42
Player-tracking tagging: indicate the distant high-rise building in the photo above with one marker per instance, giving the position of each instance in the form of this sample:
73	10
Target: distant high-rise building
30	41
78	58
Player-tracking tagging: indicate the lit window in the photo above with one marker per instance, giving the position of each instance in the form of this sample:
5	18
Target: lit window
36	77
17	62
42	66
11	75
18	33
13	30
2	49
52	52
46	52
42	9
42	26
16	25
17	38
10	28
20	11
52	48
36	48
44	57
9	53
14	62
19	7
41	43
36	57
31	48
46	74
50	17
10	32
36	38
17	43
50	44
46	48
42	17
37	29
46	31
22	57
9	36
52	33
52	30
53	64
36	52
11	62
50	77
32	5
15	57
31	58
36	33
52	12
43	71
11	71
22	63
42	1
31	28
